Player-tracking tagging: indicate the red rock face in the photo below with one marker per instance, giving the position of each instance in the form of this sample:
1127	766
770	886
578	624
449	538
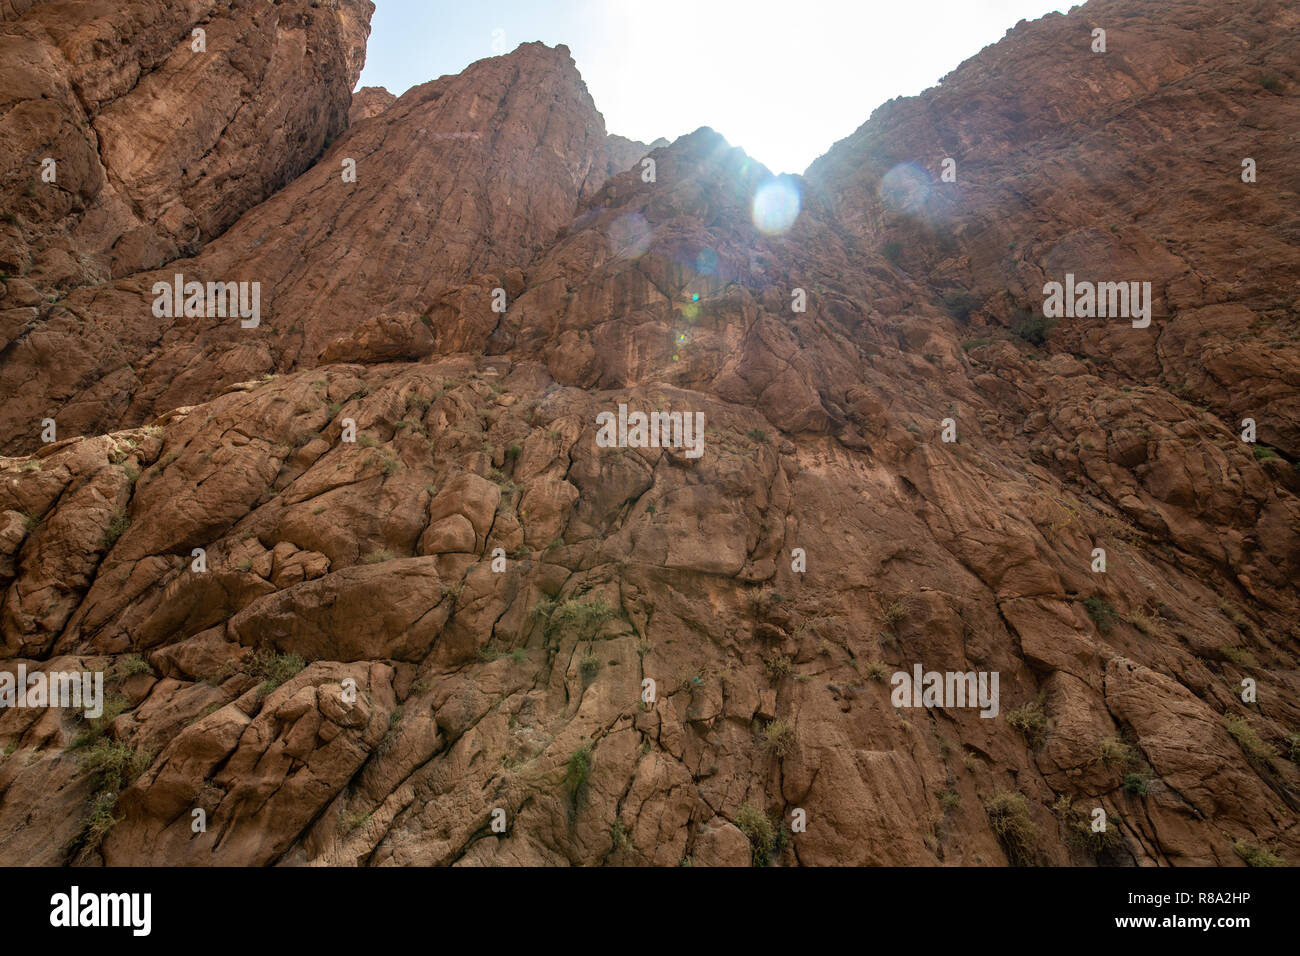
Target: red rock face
368	573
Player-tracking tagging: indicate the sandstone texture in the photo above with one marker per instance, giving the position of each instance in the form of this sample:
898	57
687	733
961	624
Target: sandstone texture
367	590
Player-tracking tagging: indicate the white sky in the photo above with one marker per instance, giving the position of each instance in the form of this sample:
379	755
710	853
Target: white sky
783	79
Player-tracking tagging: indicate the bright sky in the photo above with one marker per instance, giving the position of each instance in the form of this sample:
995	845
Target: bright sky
783	79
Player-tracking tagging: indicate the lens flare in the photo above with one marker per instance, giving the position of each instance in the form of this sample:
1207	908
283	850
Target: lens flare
905	188
776	206
629	236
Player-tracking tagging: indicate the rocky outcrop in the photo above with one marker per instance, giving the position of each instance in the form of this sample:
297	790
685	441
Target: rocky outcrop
368	590
515	141
369	101
164	123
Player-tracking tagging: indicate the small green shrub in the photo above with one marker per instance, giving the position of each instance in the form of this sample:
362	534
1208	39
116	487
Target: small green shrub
1239	620
1032	328
115	763
589	665
892	250
1239	656
1247	739
1271	82
778	667
1264	453
101	818
778	738
1257	855
1103	614
1009	816
585	617
1114	752
118	522
759	830
273	667
1136	784
354	819
1079	831
618	835
895	613
578	769
1030	721
131	665
960	304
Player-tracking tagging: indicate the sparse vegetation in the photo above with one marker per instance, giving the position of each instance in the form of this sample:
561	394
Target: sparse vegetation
1079	831
1247	739
131	665
585	617
960	304
759	830
892	250
380	556
1136	784
1239	656
757	434
115	763
1239	620
878	672
101	818
273	667
354	819
618	836
589	665
1257	855
1271	82
895	612
1143	623
778	667
1009	815
778	738
1032	328
578	769
1103	614
118	522
1114	752
1030	721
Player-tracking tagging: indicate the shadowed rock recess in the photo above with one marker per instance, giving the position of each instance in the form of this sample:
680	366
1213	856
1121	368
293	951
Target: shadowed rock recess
430	645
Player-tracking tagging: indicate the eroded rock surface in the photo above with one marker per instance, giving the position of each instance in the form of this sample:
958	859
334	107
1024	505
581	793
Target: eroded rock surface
364	583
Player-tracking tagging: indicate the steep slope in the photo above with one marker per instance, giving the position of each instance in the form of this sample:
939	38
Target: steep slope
461	176
498	587
165	121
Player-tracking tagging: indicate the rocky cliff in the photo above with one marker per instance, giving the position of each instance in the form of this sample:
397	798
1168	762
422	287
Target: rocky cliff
367	589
